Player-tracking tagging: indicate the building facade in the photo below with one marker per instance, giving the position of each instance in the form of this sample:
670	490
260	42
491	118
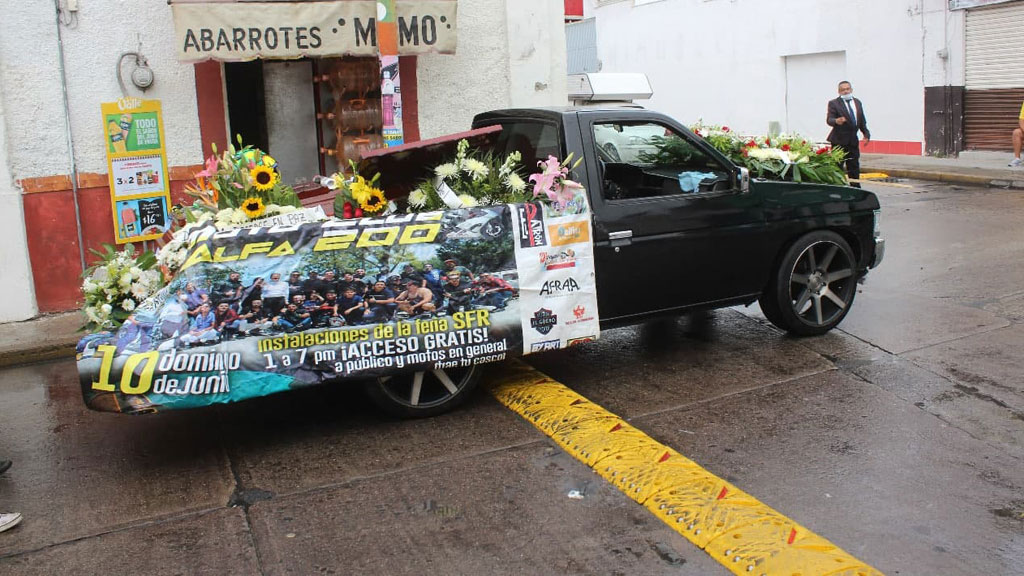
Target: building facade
935	76
60	60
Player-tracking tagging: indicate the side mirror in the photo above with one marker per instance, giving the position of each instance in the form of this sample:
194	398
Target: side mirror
744	180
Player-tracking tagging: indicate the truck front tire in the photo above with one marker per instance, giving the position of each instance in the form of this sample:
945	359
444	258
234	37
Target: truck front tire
814	286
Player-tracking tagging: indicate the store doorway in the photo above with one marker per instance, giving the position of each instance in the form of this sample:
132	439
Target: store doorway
243	82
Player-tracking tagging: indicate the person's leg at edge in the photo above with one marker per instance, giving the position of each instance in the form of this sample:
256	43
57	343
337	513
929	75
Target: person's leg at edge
8	520
1018	141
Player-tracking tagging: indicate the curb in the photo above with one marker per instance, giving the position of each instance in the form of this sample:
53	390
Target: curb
33	354
950	177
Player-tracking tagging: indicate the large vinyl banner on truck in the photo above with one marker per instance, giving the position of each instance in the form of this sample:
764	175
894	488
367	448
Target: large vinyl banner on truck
263	310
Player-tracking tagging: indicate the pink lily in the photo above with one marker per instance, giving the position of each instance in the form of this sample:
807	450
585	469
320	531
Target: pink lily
542	183
211	168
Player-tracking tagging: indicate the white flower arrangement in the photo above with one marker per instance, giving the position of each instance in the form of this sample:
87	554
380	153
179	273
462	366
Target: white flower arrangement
116	283
472	178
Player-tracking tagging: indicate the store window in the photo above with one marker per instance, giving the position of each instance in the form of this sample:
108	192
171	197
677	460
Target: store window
313	115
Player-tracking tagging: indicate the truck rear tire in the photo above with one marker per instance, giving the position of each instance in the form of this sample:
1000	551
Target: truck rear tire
814	286
423	394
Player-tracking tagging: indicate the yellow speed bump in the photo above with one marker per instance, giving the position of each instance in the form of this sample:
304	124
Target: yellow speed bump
744	535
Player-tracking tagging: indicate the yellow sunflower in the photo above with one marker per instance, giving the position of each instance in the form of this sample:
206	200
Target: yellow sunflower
263	178
253	207
374	202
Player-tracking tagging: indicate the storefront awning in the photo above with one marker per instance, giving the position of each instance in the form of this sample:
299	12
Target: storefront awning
237	31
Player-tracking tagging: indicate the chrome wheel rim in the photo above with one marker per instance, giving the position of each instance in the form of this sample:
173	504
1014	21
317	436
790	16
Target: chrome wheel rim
821	284
426	389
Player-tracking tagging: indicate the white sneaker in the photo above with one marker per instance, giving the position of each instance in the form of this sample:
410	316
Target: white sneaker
8	521
1016	162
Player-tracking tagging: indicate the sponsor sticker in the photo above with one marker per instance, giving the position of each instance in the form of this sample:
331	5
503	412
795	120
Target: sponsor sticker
543	320
580	313
558	260
559	287
578	341
569	233
545	345
531	226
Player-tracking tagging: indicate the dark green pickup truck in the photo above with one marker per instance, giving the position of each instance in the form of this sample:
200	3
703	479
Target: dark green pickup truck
699	233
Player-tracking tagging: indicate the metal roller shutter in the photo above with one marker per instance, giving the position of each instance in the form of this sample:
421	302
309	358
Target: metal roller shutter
994	75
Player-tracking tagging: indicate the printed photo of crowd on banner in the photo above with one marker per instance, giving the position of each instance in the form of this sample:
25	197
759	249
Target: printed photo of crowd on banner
215	307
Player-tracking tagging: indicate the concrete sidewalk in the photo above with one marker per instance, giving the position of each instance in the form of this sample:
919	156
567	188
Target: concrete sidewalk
54	336
43	338
971	168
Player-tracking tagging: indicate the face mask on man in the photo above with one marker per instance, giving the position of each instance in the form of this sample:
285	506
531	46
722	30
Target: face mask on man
847	97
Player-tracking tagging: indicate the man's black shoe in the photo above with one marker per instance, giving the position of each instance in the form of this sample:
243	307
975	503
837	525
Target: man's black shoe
4	465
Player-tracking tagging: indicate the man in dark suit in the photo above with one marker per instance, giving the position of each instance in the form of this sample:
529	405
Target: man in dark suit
846	117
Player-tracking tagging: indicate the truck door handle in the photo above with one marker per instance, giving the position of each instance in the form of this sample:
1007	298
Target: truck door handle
619	239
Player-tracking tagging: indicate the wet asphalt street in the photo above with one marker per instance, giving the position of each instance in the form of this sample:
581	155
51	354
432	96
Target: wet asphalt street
899	437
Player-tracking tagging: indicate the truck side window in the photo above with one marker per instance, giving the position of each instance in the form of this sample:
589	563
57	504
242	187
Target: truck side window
645	160
534	140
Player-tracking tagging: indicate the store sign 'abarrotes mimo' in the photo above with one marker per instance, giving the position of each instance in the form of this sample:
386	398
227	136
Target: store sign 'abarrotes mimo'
243	31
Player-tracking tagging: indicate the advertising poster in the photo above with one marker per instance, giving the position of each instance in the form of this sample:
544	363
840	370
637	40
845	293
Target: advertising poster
136	175
173	352
142	217
557	284
391	101
137	168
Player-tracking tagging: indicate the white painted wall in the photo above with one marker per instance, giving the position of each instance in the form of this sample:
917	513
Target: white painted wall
942	29
103	30
536	53
510	53
30	89
724	60
17	297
